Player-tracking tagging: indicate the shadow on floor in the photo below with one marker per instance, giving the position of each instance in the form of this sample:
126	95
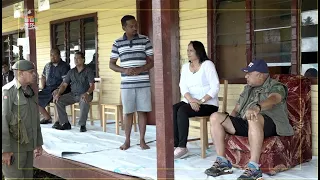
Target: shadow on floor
42	175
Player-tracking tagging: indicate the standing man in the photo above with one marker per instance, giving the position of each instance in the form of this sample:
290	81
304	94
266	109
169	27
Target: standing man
21	133
7	74
136	59
81	79
52	77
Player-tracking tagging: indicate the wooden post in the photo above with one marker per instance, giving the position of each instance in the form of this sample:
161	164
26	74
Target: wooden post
175	51
162	17
31	35
210	30
249	30
295	37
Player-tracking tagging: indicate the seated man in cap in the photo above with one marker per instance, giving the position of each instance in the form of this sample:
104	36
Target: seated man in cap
21	132
260	112
52	76
81	79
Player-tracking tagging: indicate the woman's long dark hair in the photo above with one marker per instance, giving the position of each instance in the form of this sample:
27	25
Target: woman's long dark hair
200	51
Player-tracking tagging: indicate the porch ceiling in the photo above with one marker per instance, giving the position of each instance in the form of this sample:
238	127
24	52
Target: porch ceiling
7	6
7	11
6	3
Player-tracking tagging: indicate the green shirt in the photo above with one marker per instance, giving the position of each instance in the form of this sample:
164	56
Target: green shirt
16	105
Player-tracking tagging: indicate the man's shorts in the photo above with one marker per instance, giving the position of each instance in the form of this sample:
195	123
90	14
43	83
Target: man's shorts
241	126
136	100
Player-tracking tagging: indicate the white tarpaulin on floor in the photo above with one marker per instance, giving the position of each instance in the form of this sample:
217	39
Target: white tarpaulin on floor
100	149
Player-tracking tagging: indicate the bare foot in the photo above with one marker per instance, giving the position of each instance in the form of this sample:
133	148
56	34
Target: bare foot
125	146
143	145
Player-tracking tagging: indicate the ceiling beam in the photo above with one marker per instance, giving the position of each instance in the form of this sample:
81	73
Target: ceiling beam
6	3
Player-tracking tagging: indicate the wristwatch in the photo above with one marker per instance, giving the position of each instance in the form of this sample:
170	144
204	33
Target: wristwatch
202	100
88	93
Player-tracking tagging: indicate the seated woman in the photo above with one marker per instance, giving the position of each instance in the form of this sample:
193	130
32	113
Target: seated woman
199	85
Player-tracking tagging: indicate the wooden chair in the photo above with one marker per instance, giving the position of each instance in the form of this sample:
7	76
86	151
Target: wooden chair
50	105
204	120
116	110
55	114
75	107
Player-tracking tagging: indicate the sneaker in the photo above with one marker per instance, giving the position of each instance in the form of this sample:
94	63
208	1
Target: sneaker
83	129
251	173
219	168
46	121
180	153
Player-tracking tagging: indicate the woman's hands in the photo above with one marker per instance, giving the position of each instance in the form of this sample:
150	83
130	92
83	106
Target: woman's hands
195	104
194	100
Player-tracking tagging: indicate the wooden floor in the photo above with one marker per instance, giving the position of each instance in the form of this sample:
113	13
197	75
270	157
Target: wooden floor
70	170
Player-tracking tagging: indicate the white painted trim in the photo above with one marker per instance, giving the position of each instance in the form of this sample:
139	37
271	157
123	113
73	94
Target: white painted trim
278	64
269	29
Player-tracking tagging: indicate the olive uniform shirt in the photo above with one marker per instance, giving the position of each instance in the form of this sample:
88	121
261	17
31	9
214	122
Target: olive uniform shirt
17	105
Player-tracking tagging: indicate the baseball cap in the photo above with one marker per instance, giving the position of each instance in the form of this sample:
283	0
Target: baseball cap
23	65
257	65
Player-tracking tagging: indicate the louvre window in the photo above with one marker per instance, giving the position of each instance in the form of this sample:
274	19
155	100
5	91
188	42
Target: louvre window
76	34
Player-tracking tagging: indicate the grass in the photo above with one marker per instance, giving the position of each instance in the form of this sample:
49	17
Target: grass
42	175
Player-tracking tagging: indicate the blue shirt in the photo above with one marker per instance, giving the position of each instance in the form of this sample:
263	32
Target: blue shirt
55	74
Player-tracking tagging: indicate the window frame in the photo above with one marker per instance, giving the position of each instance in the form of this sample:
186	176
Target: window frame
314	80
295	37
81	41
10	34
290	28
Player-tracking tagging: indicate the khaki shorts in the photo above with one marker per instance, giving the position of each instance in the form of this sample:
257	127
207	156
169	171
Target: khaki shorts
136	100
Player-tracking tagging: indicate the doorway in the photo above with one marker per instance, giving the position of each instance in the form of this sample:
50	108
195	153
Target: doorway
144	18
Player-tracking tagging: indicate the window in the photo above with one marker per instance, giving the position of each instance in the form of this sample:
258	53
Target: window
309	38
10	49
269	31
76	34
272	34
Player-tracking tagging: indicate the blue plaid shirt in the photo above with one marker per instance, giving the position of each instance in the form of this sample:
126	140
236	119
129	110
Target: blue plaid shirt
55	74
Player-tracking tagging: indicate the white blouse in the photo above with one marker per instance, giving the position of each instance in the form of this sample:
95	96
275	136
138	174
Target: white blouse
204	81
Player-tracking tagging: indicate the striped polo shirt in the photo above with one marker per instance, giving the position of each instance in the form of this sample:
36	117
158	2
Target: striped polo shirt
132	54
